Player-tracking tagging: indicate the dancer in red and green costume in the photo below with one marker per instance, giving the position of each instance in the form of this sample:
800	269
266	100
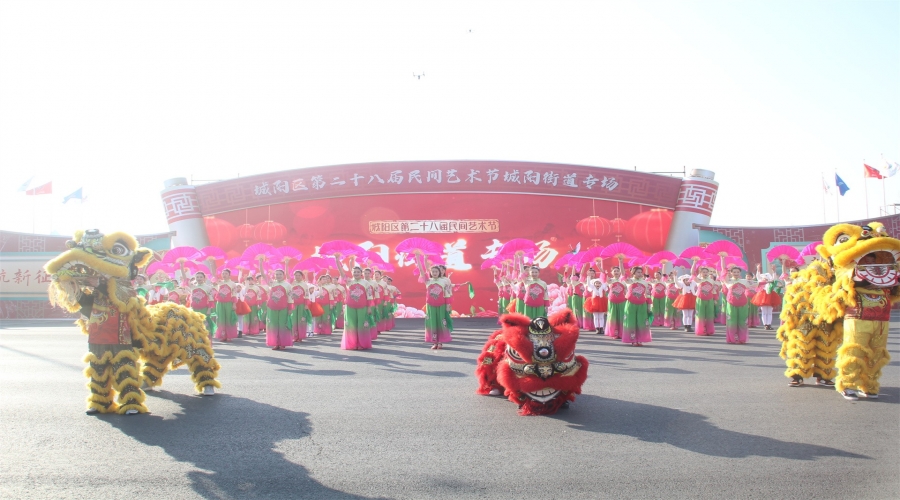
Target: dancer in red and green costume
520	293
752	309
300	317
203	300
384	303
437	307
261	283
686	301
615	315
337	310
720	298
576	298
250	295
659	298
322	297
706	302
502	291
587	317
737	306
672	315
636	324
225	298
537	297
358	312
766	298
374	311
395	296
140	286
278	316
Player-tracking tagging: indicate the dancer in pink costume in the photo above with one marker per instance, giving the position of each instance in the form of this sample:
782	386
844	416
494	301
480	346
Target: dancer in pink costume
395	298
720	298
737	305
250	295
226	297
357	332
373	290
587	318
437	308
322	324
598	303
340	294
706	301
753	311
636	325
278	313
615	314
673	315
384	302
686	301
300	318
659	299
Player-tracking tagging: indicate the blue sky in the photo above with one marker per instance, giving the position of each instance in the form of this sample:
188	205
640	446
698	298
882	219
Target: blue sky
117	97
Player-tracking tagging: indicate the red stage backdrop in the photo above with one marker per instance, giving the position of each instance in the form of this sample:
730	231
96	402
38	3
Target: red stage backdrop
469	207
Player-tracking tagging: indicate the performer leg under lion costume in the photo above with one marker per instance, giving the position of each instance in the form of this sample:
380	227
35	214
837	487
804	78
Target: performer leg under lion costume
533	362
845	296
129	344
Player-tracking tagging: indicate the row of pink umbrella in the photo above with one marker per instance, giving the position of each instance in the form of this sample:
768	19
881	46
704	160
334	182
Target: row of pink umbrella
183	261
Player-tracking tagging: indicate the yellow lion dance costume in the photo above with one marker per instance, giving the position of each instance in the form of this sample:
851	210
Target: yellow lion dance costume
837	311
131	344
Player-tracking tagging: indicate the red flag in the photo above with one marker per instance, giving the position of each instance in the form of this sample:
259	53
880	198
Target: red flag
42	189
872	173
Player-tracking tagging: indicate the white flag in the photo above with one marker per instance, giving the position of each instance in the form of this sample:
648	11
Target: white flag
825	185
888	168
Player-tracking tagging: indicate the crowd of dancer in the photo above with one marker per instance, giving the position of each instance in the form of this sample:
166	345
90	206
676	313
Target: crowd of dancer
286	312
626	307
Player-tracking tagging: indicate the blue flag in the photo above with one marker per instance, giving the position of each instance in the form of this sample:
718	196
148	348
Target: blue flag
841	185
74	196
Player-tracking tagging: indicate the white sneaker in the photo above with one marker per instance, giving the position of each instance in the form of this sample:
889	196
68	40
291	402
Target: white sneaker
209	391
92	411
131	412
850	395
867	395
495	392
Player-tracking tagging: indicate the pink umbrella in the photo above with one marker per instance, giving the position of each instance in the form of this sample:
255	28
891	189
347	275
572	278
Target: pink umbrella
212	257
783	252
489	263
420	246
681	263
563	261
694	253
735	262
810	249
724	248
519	249
341	249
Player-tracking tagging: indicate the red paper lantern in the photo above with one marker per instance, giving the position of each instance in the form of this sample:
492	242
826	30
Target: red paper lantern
245	232
594	227
269	232
618	226
221	232
649	230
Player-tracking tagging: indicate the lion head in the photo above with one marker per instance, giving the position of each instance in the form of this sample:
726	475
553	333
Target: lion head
535	361
93	258
867	255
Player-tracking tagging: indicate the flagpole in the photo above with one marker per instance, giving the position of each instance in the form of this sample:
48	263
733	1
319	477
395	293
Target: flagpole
866	187
33	212
824	212
883	198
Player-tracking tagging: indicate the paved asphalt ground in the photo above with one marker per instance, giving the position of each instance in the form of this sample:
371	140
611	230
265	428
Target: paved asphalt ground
684	417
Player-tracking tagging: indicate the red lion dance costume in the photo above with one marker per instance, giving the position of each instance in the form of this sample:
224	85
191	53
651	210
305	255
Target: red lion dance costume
533	362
